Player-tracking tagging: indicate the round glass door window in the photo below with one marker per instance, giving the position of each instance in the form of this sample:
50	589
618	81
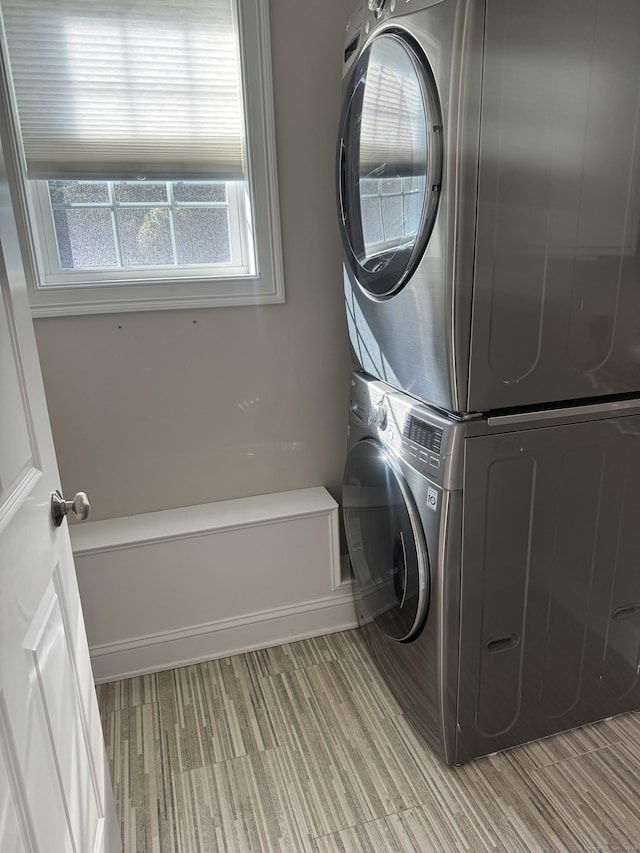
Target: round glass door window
389	163
386	543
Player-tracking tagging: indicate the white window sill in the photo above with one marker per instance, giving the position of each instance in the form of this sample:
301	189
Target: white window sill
112	298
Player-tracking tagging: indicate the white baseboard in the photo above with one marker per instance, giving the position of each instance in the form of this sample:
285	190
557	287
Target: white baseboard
224	637
175	587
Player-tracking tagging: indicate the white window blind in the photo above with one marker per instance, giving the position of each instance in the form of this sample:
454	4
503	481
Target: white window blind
126	89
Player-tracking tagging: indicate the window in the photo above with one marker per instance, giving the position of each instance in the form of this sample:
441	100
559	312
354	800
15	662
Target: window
143	141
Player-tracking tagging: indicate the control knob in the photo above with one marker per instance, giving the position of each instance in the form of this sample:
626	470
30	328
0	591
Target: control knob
378	417
376	6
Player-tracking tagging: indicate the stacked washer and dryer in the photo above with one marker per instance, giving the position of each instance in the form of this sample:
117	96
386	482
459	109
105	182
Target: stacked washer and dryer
489	203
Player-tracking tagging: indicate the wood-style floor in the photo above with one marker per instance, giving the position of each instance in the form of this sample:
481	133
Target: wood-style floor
302	748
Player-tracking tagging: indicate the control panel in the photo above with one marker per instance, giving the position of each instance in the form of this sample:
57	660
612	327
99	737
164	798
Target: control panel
422	433
403	424
422	441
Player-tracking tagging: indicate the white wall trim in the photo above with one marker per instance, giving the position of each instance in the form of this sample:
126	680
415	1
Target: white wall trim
173	587
261	630
220	625
187	522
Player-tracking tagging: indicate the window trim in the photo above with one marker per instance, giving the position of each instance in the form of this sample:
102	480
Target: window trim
184	290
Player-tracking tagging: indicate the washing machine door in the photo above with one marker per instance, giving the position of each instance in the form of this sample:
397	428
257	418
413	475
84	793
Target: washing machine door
386	543
389	163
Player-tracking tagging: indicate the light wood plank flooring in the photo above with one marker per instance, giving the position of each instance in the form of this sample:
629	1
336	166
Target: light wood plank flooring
302	748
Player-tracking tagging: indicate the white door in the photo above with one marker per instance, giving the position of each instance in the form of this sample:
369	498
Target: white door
55	791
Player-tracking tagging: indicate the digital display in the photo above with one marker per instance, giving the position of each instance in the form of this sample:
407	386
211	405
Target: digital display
424	434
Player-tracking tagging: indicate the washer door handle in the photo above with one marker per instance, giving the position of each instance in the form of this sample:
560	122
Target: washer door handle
406	571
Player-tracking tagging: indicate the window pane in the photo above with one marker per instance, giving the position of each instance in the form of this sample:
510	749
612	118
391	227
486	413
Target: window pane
392	217
414	183
391	185
369	186
78	192
85	238
140	192
199	192
412	210
371	221
145	236
202	235
181	231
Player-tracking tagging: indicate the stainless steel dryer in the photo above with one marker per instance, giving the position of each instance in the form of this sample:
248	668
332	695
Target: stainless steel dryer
489	198
495	565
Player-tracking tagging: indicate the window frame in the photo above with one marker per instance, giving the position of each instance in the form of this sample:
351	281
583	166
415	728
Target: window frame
155	288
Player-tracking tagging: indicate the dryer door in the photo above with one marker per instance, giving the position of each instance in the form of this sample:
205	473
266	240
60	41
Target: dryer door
389	163
386	543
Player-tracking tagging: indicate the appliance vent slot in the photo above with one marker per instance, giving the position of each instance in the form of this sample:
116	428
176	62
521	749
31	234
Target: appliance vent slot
500	644
626	611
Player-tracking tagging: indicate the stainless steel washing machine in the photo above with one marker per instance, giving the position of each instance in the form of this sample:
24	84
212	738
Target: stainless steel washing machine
495	564
489	198
403	520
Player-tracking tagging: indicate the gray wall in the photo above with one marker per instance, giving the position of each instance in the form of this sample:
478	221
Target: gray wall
173	408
